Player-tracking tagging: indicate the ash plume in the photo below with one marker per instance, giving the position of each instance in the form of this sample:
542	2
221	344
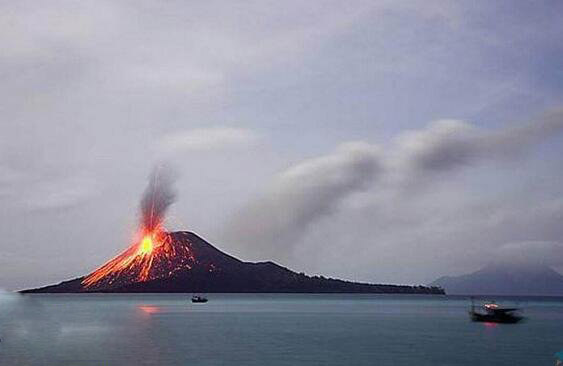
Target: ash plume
158	196
302	195
299	197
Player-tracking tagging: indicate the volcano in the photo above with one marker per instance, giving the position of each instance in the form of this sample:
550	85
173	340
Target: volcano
183	262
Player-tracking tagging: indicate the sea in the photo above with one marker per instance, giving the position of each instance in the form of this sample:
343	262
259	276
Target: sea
271	329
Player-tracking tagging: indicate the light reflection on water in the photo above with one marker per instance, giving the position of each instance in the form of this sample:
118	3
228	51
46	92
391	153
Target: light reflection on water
150	309
265	329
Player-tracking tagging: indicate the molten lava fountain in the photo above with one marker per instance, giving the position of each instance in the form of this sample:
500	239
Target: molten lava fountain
152	255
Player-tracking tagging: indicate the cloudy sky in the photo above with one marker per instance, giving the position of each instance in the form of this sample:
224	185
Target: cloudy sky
374	141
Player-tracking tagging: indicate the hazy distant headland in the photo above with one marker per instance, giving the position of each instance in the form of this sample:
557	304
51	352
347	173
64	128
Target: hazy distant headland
500	278
186	263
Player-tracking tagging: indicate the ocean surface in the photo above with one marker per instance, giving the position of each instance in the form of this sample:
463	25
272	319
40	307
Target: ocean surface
271	329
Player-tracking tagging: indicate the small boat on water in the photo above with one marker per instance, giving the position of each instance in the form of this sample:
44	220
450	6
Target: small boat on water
492	313
198	299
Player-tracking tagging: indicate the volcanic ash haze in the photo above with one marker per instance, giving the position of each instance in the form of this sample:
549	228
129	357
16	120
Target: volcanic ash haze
152	253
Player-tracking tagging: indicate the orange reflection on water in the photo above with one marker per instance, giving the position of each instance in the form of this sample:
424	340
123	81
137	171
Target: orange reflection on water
149	309
491	325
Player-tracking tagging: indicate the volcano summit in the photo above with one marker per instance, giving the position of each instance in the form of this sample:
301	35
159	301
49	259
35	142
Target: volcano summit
183	262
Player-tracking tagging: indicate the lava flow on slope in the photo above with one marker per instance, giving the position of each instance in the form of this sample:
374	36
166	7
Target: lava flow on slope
153	255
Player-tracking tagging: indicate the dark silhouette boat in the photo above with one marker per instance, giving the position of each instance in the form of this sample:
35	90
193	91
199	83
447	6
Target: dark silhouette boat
492	313
198	299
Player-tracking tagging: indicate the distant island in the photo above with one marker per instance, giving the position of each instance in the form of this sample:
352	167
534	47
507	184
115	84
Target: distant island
186	263
505	279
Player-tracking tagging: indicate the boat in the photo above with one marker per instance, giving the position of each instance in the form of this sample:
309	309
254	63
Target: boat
492	313
198	299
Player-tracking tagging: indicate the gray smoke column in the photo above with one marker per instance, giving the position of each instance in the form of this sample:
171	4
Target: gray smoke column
158	196
298	197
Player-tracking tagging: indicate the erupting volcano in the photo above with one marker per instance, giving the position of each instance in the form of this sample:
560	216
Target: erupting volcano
162	261
152	254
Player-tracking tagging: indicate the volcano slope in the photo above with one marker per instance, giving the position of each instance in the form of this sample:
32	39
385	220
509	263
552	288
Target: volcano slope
190	264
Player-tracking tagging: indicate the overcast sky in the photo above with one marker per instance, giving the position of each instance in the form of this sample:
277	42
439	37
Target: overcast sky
376	141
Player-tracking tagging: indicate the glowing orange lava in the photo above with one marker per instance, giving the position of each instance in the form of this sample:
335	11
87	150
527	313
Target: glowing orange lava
135	263
146	245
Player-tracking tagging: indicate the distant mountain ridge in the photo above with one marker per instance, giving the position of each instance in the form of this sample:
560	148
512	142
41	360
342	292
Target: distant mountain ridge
198	266
505	279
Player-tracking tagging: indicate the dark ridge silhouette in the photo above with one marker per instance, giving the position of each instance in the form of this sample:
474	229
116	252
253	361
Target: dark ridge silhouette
505	279
207	269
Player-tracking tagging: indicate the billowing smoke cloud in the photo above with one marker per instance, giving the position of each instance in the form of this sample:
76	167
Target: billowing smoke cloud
303	194
158	196
276	221
447	145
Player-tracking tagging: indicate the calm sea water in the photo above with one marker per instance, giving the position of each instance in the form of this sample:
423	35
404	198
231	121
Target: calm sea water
268	329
